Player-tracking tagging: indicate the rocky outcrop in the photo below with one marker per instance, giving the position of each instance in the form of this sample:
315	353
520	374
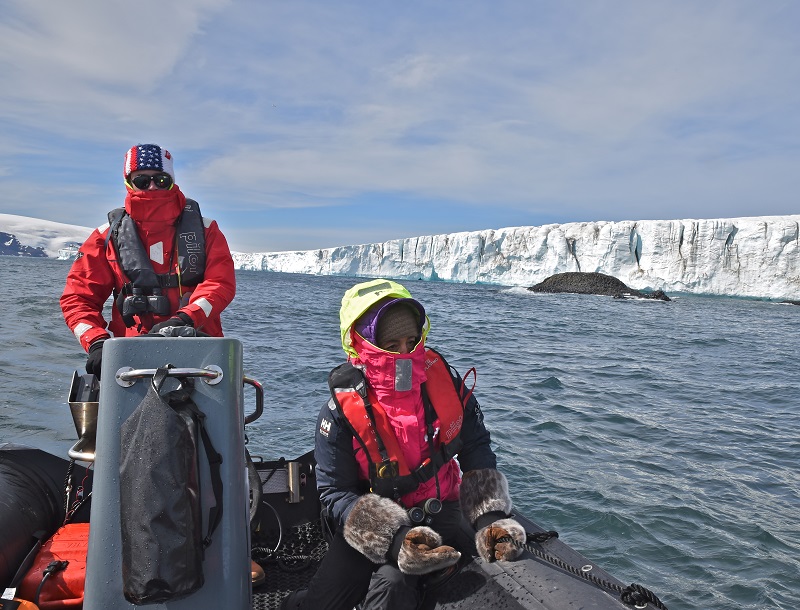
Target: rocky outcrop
577	282
10	246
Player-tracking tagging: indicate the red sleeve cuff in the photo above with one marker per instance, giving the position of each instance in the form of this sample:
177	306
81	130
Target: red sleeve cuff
92	335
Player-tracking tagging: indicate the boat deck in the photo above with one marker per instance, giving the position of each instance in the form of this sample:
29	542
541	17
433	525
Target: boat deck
291	568
289	542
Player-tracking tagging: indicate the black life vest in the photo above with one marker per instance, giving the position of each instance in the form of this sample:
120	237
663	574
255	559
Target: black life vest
389	474
135	263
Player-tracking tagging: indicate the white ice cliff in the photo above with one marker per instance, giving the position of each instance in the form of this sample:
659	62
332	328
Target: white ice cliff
748	257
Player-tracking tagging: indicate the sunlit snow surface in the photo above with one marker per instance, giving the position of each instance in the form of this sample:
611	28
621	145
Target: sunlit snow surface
749	257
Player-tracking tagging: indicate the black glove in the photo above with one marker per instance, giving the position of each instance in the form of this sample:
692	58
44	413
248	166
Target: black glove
93	364
180	319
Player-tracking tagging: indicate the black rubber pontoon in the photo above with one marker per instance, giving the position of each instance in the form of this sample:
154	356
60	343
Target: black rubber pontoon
288	536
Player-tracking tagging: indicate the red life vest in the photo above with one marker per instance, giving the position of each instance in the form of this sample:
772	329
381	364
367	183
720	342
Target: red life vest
389	474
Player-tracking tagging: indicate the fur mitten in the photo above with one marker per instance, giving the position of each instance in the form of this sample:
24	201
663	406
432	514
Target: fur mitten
486	504
381	530
422	552
371	525
488	547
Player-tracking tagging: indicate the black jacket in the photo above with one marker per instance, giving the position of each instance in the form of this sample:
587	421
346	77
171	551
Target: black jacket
337	471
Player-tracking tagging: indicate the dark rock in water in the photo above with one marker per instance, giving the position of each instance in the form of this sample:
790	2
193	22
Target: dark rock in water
10	246
593	283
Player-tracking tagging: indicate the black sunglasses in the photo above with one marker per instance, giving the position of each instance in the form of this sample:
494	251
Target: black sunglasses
142	181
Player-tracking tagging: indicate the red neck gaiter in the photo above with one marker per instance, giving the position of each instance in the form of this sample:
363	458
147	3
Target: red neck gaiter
155	209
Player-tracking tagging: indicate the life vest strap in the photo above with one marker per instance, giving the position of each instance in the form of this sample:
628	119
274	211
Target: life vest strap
169	280
487	519
426	471
401	485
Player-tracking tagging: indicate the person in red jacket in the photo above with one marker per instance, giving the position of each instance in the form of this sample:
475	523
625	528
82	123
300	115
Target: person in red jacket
164	263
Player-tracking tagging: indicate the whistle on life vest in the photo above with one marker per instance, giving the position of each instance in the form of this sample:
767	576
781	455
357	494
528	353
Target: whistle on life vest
387	469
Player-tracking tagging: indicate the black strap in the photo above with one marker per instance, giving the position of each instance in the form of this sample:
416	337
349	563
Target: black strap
114	218
182	400
430	417
27	563
158	378
362	391
489	518
168	280
214	463
397	542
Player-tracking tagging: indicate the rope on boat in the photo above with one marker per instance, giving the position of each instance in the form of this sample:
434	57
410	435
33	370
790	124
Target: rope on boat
304	545
80	493
68	488
633	595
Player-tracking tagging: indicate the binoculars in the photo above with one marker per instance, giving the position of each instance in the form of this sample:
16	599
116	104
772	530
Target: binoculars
138	302
423	514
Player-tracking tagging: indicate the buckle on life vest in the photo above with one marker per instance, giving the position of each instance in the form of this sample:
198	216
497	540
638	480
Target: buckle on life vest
387	470
169	280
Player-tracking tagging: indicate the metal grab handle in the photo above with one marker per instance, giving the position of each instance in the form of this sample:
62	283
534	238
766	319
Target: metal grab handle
79	451
212	375
127	376
259	400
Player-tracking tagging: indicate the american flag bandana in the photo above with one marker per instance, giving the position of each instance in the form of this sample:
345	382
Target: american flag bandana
148	156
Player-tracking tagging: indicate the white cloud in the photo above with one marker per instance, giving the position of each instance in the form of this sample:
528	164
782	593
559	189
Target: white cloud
70	65
575	111
413	72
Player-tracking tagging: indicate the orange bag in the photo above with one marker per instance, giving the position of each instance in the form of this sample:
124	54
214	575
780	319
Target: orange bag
62	588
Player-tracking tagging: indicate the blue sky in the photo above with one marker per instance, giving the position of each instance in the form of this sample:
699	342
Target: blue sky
309	124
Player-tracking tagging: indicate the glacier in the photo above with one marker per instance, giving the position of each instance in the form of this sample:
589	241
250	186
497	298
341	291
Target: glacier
756	257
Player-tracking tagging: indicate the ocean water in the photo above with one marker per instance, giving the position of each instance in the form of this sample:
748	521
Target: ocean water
662	440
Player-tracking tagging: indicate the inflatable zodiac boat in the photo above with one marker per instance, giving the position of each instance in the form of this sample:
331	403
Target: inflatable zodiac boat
72	535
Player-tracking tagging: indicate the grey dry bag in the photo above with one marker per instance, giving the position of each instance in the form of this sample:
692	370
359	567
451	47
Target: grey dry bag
160	501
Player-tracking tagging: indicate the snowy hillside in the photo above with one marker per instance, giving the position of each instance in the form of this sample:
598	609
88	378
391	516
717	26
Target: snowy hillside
750	257
35	233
